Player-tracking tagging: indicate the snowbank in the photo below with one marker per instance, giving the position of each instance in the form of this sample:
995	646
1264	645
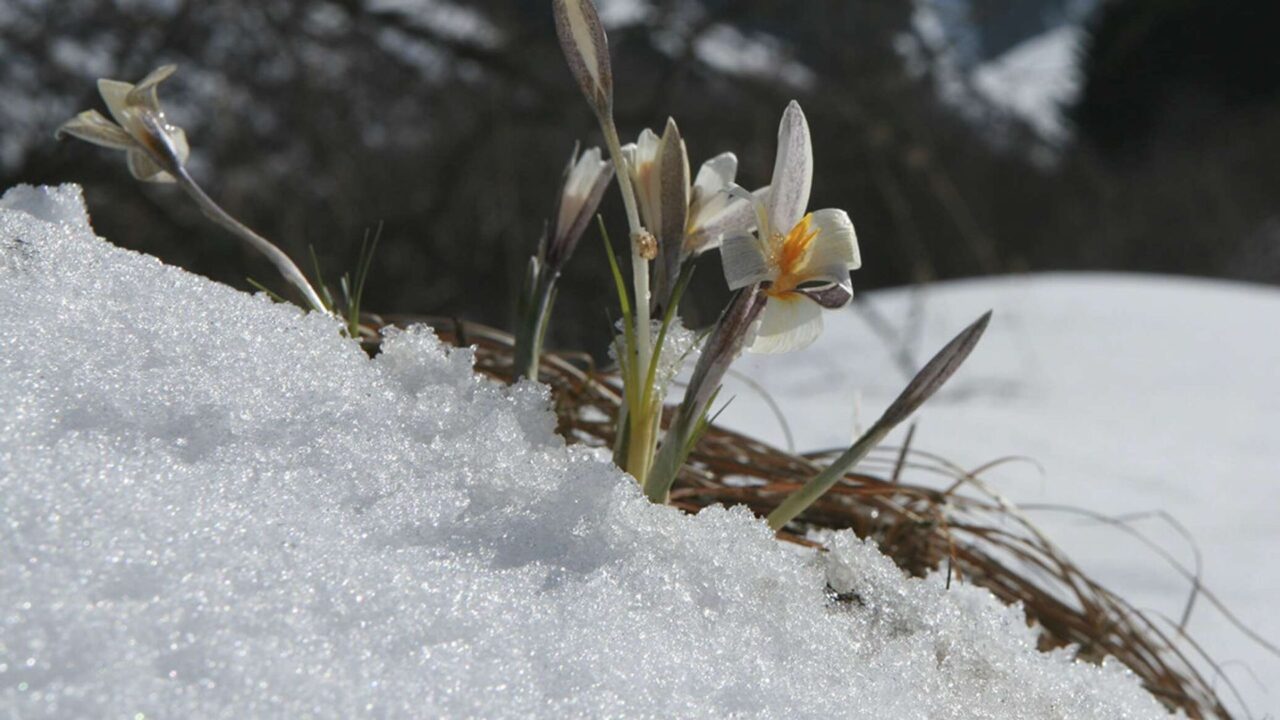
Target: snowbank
1129	394
213	506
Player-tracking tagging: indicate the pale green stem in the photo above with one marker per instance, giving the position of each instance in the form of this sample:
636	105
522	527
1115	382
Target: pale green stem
643	440
639	265
277	257
823	481
928	381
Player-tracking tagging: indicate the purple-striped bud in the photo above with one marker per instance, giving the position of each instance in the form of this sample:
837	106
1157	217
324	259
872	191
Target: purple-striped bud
586	48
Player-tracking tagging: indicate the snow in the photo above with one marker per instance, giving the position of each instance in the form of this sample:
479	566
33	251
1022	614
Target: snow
1128	394
1031	82
214	506
1035	80
754	55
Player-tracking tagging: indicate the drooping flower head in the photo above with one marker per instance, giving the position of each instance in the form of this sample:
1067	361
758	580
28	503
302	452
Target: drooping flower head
802	260
154	148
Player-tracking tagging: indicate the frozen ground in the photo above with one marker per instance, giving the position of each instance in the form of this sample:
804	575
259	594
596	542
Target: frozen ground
213	506
1133	393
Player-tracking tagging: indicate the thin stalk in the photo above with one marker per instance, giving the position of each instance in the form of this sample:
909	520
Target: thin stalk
928	381
534	317
282	262
643	432
797	501
630	382
641	454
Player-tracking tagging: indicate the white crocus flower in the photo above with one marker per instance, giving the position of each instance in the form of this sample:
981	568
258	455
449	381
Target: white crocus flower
802	261
152	145
714	212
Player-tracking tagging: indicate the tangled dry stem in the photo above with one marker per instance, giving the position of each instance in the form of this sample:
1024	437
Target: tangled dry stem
961	527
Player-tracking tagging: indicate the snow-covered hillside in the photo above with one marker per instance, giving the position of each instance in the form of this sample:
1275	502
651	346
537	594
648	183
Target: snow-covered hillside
1131	393
214	506
1035	80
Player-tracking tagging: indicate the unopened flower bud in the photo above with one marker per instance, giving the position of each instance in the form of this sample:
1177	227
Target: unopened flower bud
585	179
586	48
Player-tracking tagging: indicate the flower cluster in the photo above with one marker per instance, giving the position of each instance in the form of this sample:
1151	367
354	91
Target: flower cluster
784	263
787	264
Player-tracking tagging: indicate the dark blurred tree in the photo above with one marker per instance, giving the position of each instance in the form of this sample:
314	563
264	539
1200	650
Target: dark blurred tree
314	120
1175	65
1179	126
448	123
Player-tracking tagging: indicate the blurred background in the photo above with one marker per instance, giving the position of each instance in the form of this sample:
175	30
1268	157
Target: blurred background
964	137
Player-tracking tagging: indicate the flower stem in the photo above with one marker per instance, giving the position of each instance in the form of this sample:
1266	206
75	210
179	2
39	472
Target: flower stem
277	257
928	381
801	499
643	420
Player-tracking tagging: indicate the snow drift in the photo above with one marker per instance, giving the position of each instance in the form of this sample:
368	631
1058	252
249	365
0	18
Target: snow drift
215	506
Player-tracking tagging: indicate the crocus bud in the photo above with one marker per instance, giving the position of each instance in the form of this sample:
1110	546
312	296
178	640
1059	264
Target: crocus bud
586	177
936	372
587	50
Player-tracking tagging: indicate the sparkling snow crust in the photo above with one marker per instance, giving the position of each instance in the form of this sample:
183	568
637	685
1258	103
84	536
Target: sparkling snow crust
215	506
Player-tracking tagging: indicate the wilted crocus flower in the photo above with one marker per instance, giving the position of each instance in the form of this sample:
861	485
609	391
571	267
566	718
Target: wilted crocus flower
157	152
154	148
586	177
802	260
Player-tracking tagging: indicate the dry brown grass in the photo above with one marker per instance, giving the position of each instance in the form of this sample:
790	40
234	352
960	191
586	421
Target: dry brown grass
958	524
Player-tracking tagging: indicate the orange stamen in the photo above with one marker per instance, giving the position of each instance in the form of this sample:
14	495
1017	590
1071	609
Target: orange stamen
788	254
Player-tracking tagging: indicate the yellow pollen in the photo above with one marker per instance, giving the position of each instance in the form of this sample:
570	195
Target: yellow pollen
788	254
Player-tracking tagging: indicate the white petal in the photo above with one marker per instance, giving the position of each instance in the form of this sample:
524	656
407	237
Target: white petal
743	262
715	174
144	93
114	94
789	322
91	126
834	251
645	175
792	171
737	216
647	146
